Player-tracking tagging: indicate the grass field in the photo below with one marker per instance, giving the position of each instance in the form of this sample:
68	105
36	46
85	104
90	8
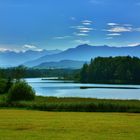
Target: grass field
39	125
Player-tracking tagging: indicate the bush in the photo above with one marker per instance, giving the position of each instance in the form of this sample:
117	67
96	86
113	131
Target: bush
21	91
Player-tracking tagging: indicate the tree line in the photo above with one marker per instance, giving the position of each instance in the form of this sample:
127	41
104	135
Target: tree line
8	74
123	69
25	72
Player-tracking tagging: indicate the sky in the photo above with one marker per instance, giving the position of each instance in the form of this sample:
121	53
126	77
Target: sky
62	24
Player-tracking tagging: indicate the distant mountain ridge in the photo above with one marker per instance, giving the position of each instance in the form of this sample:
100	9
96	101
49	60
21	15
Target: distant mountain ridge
12	58
85	52
63	64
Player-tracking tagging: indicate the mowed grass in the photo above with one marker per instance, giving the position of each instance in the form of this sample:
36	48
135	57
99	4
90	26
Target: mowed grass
39	125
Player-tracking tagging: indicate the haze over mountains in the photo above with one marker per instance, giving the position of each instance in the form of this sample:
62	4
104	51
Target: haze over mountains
86	52
56	58
11	58
63	64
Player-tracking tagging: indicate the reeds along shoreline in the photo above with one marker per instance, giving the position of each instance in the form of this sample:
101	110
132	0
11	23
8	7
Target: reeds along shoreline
76	105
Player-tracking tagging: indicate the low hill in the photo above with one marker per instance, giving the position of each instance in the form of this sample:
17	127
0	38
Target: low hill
64	64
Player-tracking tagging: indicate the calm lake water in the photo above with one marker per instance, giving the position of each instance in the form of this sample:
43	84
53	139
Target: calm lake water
60	88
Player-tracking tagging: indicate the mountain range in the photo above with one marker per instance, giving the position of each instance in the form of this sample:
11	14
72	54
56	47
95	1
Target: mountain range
11	58
63	64
85	52
70	58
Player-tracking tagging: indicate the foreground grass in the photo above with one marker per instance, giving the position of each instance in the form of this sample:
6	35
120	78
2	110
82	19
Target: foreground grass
75	104
39	125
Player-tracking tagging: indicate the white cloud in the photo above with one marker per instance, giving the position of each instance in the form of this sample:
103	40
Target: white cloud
17	48
114	34
82	41
82	28
26	46
119	29
116	24
81	34
3	49
112	24
30	47
116	29
84	31
87	21
11	47
133	44
85	28
61	37
122	28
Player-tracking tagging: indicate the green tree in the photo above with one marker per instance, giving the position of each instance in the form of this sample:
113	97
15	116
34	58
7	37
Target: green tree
84	73
121	69
19	72
21	91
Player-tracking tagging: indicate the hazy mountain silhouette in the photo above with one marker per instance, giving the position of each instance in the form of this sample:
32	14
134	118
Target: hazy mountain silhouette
63	64
86	52
11	58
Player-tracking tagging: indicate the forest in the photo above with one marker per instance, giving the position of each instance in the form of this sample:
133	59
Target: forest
34	73
119	70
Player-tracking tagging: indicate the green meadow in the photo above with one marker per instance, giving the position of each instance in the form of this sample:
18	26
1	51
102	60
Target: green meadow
40	125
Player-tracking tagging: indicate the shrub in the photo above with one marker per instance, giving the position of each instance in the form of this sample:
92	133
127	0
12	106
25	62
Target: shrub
21	91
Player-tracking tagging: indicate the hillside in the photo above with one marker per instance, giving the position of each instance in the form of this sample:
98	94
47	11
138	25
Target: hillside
86	52
63	64
11	58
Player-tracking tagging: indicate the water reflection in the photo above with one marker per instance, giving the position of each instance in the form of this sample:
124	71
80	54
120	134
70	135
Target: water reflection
60	88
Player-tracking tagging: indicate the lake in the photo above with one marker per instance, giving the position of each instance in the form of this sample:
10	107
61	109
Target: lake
61	88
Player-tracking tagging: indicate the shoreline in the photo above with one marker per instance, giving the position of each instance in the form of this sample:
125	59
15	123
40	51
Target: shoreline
75	105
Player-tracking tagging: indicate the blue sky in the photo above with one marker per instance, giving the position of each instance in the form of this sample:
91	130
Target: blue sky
60	24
